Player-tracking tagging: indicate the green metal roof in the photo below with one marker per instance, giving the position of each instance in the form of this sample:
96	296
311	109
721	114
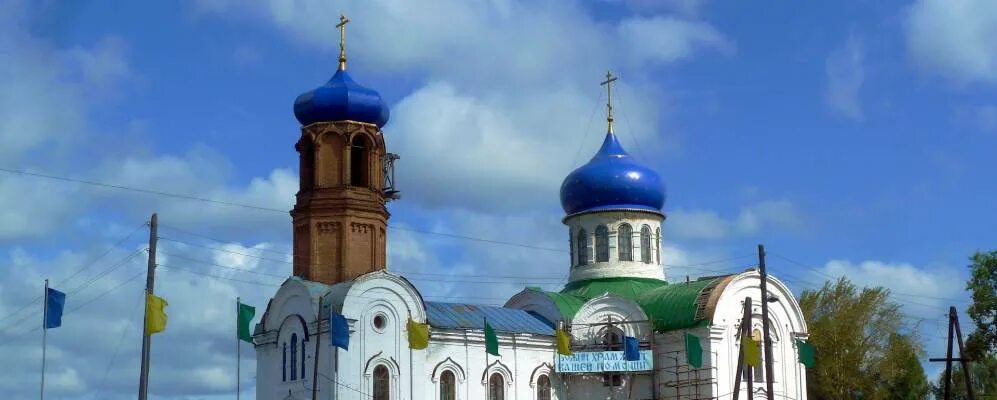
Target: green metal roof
628	288
675	306
671	306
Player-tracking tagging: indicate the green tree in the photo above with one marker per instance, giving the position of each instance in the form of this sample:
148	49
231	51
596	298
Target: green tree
861	349
906	379
983	377
982	285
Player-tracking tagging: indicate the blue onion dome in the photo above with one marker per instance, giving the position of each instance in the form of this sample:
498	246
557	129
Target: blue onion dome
612	180
341	99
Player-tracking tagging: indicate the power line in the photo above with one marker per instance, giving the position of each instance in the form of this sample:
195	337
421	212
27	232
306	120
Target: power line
280	276
78	289
139	190
804	265
85	266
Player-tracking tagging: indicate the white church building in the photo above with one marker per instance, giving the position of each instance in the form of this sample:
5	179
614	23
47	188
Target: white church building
617	288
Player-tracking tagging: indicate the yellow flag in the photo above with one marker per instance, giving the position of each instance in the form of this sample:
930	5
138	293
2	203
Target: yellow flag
752	352
418	335
155	314
563	342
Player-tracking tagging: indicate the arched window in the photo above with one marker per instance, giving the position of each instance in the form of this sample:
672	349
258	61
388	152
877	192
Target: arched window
624	242
307	164
571	245
382	383
657	244
496	387
294	356
583	247
543	388
283	364
601	244
645	244
358	162
448	386
303	358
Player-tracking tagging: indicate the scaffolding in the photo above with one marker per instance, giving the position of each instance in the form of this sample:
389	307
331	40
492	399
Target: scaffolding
686	383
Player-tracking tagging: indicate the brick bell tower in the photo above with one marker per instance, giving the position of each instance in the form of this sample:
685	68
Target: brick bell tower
340	219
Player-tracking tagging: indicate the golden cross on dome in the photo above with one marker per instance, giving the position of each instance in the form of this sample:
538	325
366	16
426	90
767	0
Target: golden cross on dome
608	83
342	41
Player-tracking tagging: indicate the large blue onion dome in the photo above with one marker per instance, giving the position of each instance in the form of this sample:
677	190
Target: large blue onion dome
612	180
341	99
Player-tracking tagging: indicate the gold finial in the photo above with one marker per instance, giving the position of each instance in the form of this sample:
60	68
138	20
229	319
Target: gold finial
342	41
608	83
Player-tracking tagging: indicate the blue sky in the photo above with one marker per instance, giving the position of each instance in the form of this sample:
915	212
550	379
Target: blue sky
855	138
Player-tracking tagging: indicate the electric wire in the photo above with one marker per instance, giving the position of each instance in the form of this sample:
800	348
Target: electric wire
85	266
585	132
102	275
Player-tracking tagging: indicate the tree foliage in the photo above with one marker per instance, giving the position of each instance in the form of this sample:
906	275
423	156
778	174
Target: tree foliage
982	375
982	286
862	350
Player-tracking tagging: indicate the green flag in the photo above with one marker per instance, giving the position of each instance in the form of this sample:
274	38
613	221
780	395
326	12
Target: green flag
693	351
246	314
491	341
806	353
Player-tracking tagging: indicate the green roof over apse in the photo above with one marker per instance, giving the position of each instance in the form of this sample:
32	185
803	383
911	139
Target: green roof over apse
671	306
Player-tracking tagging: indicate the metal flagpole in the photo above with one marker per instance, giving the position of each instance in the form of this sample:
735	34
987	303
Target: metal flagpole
238	350
41	394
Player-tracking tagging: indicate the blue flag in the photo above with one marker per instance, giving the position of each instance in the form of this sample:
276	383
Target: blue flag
53	314
339	331
631	348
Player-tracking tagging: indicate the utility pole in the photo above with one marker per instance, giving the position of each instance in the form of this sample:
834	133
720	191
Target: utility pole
954	328
150	280
767	339
745	329
318	339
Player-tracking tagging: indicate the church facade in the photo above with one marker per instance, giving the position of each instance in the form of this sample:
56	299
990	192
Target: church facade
616	291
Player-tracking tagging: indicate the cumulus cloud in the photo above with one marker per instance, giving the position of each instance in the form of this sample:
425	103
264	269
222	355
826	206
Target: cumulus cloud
845	72
954	39
706	224
923	292
500	79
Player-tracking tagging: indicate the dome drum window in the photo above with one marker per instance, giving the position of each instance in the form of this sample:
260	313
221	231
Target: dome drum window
583	247
601	244
624	239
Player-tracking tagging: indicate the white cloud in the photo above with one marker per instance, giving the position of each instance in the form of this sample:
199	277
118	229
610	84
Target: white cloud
923	292
501	78
668	39
703	224
845	71
954	38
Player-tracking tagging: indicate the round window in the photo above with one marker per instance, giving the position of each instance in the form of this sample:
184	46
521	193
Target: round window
380	321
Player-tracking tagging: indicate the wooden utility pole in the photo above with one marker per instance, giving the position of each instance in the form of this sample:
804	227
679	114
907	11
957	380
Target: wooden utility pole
745	329
150	280
767	339
963	361
318	339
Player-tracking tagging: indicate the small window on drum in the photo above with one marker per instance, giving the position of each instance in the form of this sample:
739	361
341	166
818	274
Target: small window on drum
601	244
